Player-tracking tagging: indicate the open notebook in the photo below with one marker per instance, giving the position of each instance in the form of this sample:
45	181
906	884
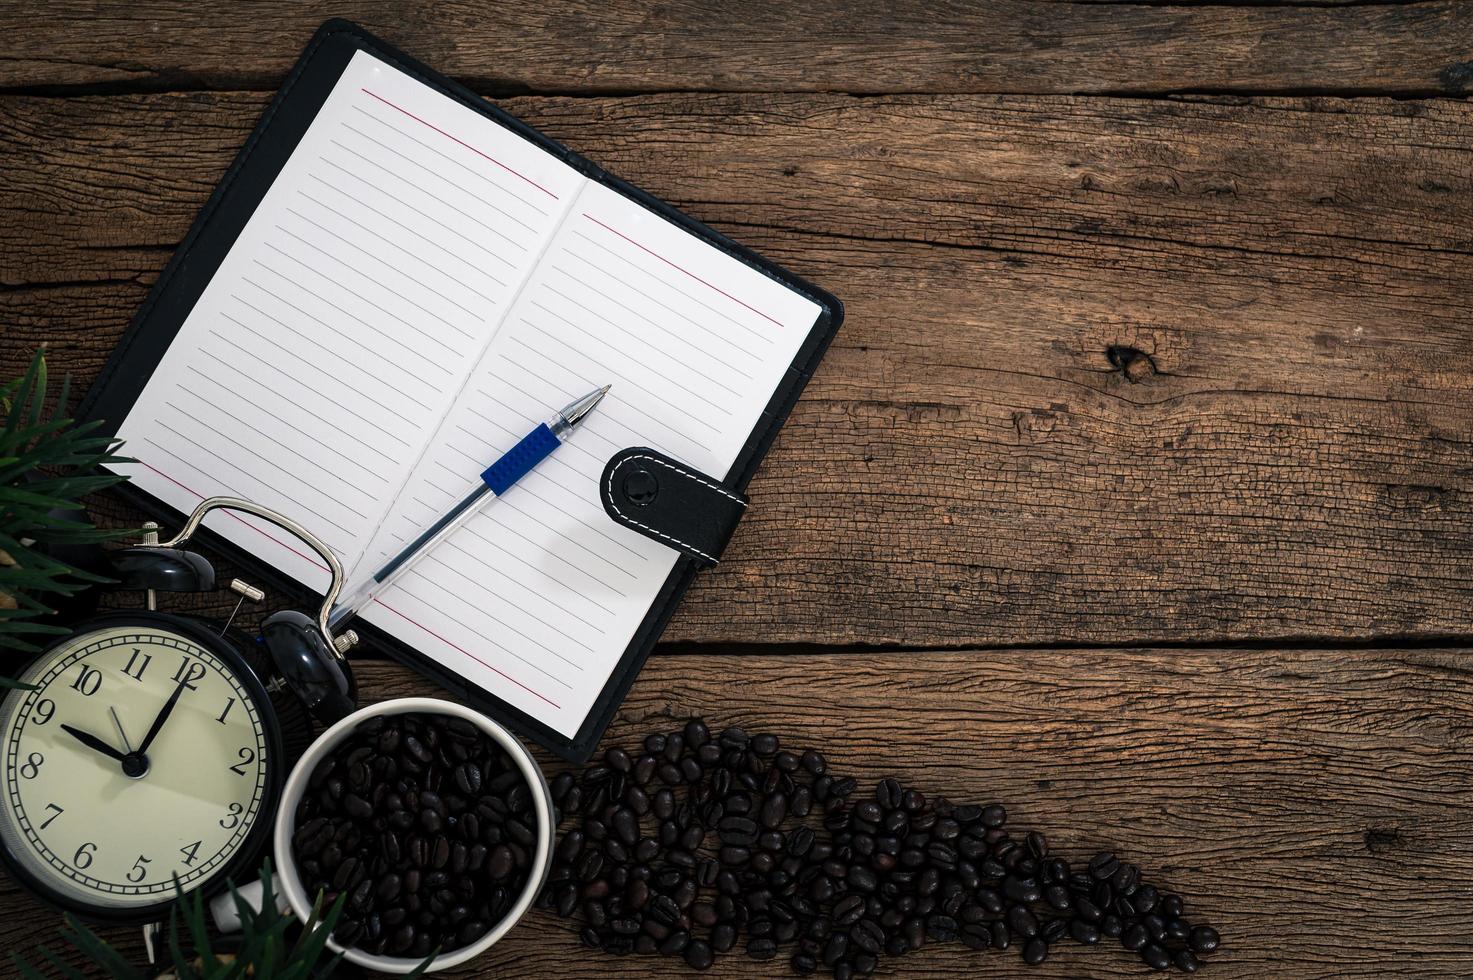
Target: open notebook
419	286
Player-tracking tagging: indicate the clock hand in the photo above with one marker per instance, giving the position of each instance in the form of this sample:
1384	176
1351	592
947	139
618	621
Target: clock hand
162	717
119	722
93	742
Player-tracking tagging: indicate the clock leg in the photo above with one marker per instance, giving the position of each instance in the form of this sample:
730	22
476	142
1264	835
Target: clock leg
151	933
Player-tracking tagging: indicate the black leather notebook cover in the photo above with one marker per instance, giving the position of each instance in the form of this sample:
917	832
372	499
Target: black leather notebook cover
220	222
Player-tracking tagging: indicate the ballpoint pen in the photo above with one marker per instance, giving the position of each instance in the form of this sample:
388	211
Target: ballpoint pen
497	478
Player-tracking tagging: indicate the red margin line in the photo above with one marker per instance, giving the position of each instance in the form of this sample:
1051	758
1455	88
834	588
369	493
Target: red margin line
467	653
462	143
674	266
381	603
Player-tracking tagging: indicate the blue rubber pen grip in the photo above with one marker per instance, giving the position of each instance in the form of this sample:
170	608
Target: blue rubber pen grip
519	459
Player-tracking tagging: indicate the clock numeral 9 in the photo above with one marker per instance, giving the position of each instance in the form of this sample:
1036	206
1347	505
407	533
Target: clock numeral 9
32	765
88	681
83	858
232	819
43	711
138	866
247	756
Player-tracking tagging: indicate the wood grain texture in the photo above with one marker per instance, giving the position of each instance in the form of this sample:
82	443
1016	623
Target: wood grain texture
1312	804
1114	370
587	46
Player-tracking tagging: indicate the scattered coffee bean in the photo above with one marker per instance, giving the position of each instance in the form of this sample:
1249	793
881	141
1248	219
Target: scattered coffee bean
702	842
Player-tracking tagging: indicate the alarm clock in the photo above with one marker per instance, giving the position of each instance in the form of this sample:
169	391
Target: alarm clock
145	750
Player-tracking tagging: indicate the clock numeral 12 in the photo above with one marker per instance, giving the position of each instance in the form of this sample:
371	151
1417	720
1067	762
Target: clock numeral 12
147	659
138	866
88	681
189	671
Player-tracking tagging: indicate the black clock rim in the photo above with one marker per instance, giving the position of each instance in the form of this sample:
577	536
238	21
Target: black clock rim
250	848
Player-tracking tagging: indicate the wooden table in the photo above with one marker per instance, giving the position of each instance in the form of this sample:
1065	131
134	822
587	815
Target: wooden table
1136	490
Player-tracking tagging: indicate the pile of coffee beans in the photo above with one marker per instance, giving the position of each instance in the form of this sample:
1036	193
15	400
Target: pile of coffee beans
700	842
425	824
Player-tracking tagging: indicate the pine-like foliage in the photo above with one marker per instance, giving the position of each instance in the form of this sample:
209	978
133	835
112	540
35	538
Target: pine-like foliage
48	463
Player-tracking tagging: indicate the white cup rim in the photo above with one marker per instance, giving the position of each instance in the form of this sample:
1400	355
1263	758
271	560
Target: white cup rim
296	783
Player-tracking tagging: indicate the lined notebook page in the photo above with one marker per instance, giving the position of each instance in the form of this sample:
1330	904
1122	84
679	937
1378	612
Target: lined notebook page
347	316
538	596
418	290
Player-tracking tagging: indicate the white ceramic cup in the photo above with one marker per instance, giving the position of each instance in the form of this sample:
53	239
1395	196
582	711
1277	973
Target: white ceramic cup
288	883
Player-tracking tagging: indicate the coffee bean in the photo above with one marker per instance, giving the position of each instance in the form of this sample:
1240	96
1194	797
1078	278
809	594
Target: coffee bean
468	778
698	955
882	877
1084	932
1103	865
470	931
761	948
738	830
1155	957
723	937
1204	939
848	910
975	935
942	928
357	807
1022	922
868	935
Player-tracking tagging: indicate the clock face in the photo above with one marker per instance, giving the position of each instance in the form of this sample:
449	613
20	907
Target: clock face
102	816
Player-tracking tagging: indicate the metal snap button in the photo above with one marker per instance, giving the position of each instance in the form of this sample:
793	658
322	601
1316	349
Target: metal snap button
641	487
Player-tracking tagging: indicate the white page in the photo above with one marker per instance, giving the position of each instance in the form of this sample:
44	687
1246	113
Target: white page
538	596
418	290
347	315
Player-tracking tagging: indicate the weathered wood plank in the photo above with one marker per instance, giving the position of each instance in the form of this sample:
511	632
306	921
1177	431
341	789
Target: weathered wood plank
970	466
1310	803
870	46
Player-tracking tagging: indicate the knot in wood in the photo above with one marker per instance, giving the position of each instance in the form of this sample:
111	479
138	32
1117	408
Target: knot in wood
1136	365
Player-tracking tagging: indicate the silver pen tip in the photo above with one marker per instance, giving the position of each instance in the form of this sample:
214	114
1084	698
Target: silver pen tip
574	413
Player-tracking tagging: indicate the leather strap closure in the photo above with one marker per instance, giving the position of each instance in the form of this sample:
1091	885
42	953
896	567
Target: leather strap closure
669	502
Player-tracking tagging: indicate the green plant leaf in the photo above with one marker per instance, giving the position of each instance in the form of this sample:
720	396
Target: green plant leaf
317	930
62	966
176	952
80	935
194	910
48	464
27	971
